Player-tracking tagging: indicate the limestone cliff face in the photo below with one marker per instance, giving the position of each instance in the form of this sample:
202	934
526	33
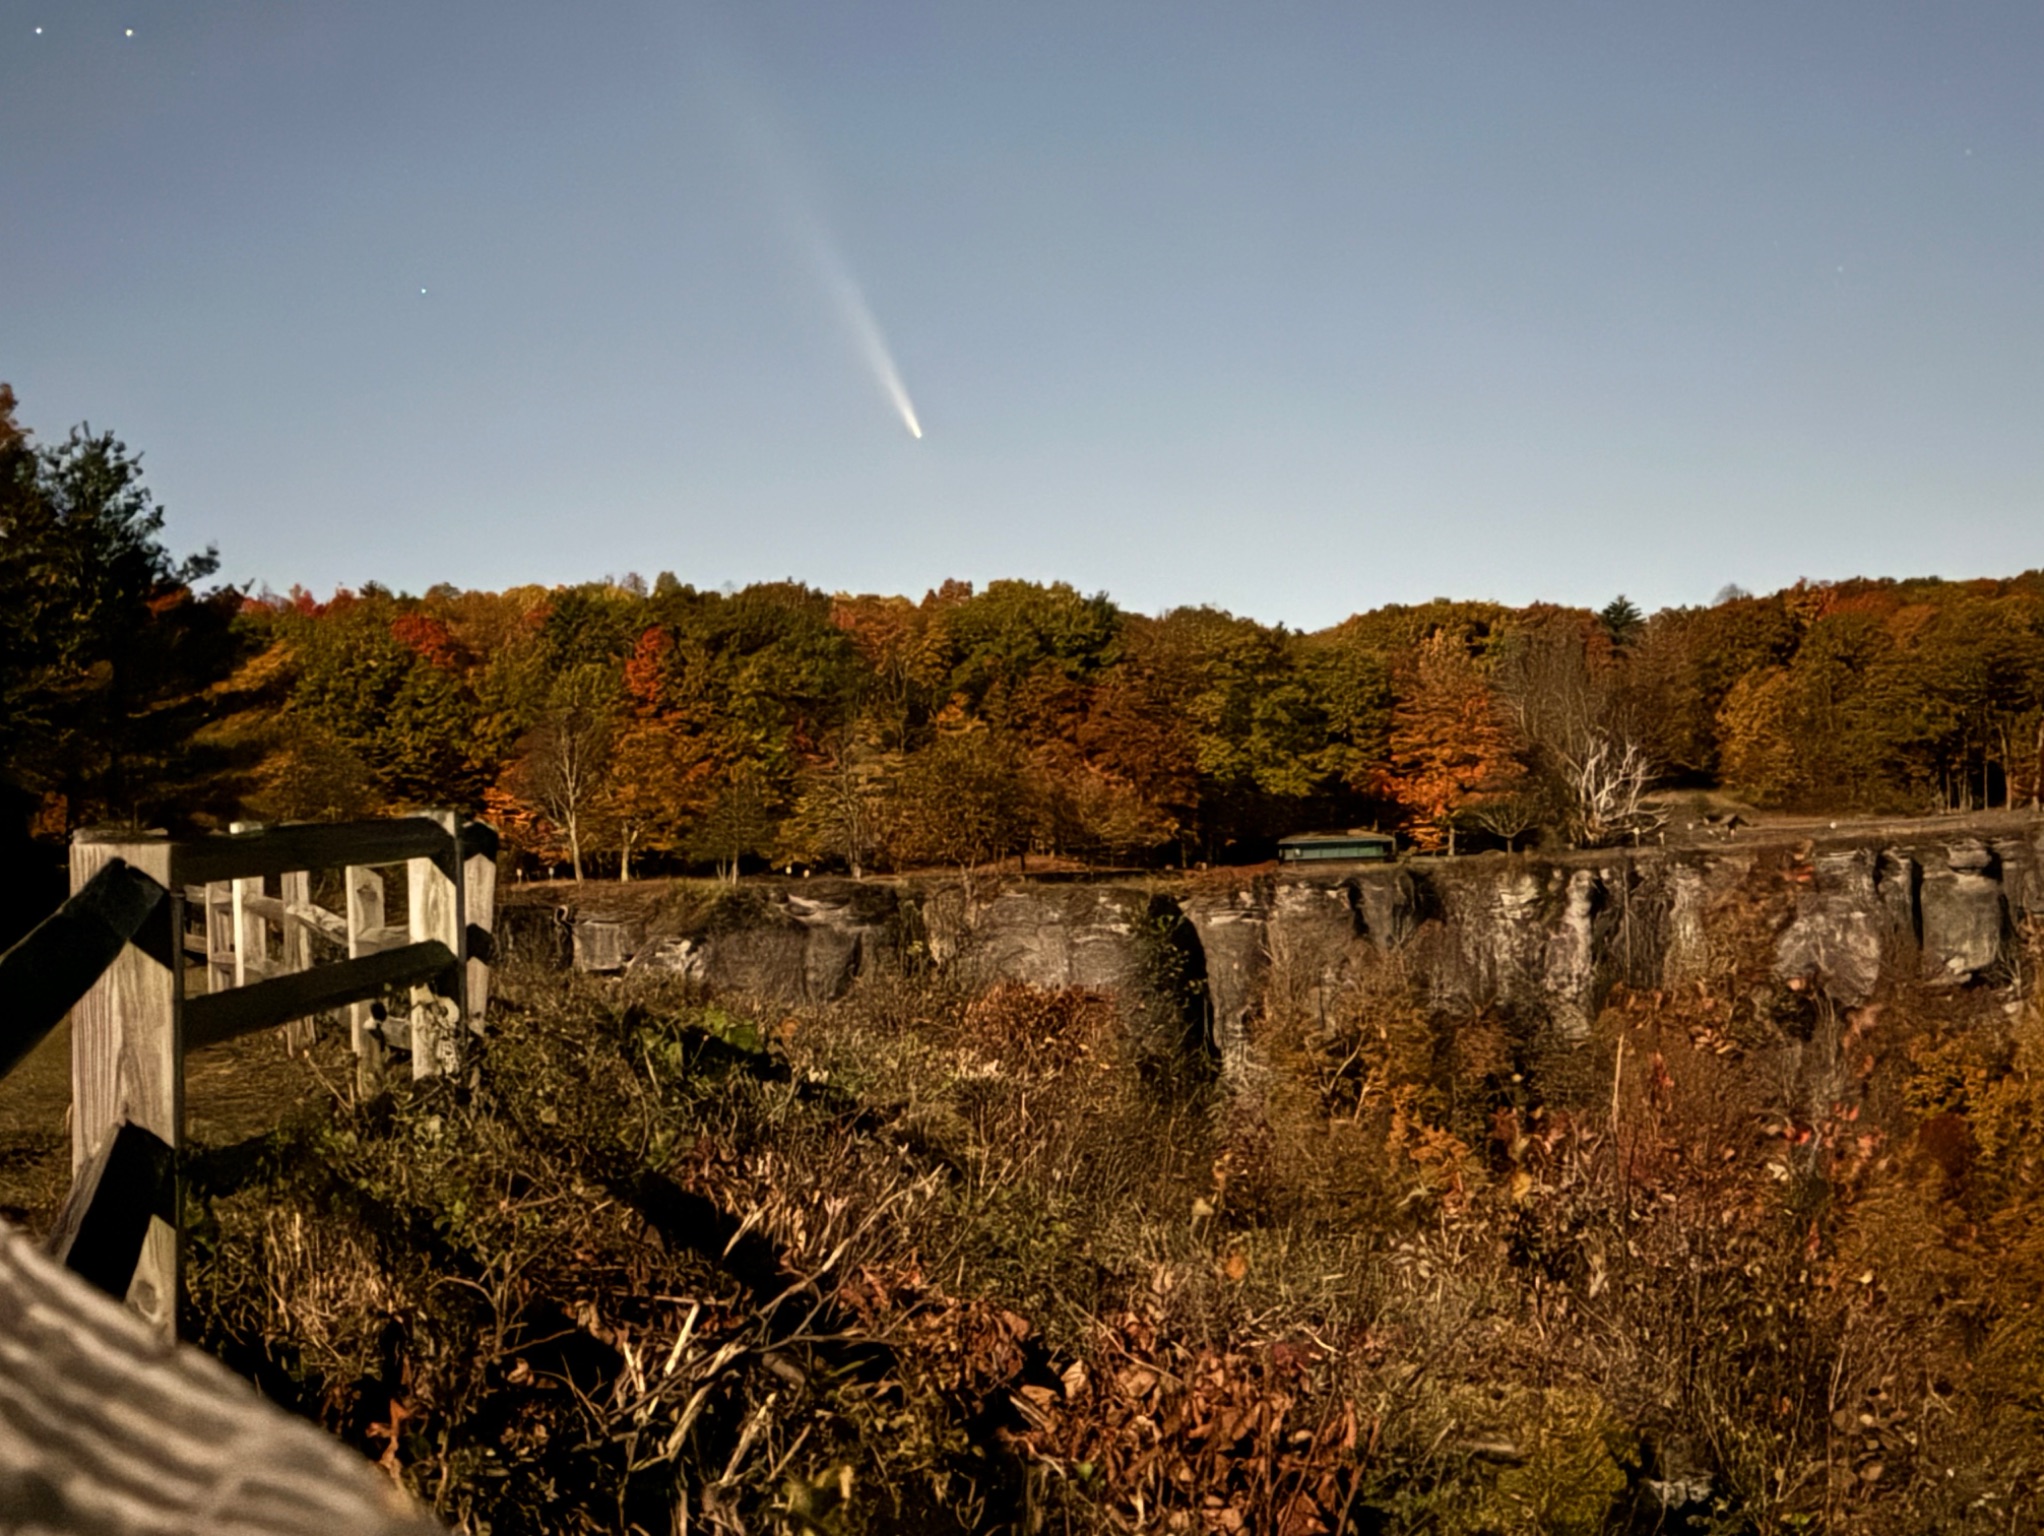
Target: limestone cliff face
1544	940
1539	941
781	942
1065	935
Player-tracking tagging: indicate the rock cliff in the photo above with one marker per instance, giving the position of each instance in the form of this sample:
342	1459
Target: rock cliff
1538	941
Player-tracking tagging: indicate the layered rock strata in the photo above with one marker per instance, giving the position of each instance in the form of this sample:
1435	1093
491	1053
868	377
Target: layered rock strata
1540	941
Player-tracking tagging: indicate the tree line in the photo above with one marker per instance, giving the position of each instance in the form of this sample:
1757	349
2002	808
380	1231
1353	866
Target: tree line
619	726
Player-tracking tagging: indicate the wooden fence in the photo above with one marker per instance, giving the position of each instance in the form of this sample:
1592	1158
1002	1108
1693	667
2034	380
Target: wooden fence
131	1030
142	992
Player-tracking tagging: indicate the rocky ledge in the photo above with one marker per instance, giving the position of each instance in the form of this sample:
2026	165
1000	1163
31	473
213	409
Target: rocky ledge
1540	939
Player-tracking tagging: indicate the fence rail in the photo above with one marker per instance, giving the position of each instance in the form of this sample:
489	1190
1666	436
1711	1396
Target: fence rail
223	1016
109	1428
254	853
44	974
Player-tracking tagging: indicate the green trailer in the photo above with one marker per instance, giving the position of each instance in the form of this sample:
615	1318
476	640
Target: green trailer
1317	847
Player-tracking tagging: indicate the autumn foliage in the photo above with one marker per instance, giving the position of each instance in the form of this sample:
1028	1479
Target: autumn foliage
619	728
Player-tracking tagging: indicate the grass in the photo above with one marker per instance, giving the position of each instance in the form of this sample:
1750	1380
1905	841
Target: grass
927	1260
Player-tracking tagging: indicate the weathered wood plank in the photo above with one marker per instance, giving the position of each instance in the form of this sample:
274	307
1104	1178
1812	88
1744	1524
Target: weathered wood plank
365	918
219	935
195	907
109	1429
50	969
393	936
223	1016
294	889
127	1058
100	1232
251	929
311	845
479	911
253	901
317	919
434	911
295	895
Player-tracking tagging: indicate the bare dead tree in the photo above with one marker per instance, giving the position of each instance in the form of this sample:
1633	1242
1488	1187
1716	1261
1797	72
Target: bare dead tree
1610	787
1587	754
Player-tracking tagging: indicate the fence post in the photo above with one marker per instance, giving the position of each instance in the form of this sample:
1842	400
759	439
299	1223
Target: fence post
295	888
479	917
365	913
251	933
439	1017
127	1058
219	936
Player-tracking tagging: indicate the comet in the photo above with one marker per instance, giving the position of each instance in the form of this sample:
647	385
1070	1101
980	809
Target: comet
766	146
867	336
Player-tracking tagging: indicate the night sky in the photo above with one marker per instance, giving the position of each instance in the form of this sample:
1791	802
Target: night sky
1295	309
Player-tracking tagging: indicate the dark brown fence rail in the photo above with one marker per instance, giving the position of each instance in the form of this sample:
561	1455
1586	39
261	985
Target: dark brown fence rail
44	974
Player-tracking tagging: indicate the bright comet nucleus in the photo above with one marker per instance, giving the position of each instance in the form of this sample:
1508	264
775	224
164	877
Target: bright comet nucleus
865	331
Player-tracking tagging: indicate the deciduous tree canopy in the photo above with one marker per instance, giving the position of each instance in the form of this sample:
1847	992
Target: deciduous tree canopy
608	724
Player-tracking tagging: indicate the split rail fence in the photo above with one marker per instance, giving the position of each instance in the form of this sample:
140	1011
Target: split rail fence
167	947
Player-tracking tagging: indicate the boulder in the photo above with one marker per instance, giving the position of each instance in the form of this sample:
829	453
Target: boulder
2022	881
1491	947
1690	891
1834	942
1234	933
1964	918
1837	940
1686	946
1848	873
805	945
1056	936
1896	880
1386	904
788	961
1569	968
676	956
536	934
1969	856
606	942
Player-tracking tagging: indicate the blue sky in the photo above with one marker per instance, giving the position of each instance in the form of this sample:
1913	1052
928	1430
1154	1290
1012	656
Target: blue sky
1295	309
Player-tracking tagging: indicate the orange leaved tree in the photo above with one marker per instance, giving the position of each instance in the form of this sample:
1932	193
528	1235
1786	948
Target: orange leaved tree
1451	747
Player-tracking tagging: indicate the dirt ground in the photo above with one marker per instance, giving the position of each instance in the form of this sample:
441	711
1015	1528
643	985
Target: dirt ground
235	1091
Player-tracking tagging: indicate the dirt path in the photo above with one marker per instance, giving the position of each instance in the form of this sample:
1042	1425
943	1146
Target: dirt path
244	1088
